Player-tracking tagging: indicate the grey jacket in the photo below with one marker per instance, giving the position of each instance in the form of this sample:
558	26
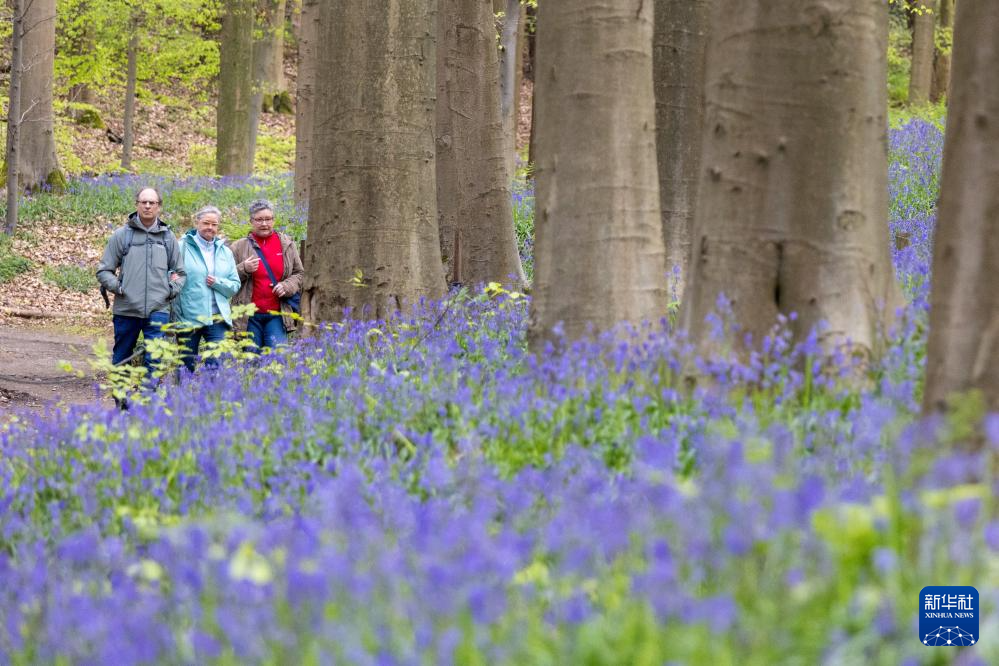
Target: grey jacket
143	284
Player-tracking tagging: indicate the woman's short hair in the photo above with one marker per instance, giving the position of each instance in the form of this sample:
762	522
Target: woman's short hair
259	205
207	210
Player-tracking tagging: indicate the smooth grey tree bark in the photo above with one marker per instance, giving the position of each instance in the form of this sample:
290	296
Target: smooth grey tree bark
305	98
963	346
678	52
792	204
373	242
921	76
37	164
236	129
599	256
475	214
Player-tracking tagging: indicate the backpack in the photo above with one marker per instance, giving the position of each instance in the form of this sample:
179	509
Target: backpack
129	235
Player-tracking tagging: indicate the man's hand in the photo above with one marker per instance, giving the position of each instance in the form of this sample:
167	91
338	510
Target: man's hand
252	264
279	290
210	280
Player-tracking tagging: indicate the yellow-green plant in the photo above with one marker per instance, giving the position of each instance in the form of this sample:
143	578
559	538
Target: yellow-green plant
129	381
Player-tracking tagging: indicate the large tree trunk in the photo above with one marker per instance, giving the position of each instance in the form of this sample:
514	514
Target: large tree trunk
236	129
37	164
599	249
941	55
510	66
678	52
12	152
305	98
792	203
963	347
921	78
128	135
475	212
373	243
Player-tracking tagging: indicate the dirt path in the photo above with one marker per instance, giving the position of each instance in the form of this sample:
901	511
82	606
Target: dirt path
30	375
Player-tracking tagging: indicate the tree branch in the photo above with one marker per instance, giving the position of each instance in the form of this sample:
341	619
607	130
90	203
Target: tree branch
26	28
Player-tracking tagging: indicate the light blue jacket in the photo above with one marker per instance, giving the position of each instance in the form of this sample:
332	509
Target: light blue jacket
194	305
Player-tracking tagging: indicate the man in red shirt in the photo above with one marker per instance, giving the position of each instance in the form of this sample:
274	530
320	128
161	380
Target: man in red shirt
264	248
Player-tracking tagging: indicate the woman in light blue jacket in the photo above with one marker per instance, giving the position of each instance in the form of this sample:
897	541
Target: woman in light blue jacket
202	307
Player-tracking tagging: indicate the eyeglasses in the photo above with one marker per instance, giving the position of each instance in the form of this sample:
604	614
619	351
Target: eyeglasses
148	203
262	220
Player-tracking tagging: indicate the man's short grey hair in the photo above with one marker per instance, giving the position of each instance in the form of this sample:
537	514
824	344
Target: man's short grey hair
259	205
207	210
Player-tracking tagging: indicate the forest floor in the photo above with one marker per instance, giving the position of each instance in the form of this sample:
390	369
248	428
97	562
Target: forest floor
31	375
42	326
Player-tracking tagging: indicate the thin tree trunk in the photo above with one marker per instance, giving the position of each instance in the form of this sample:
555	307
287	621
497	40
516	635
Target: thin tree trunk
599	248
518	86
268	57
792	204
82	44
530	66
509	81
293	14
473	185
678	52
942	54
128	135
373	243
921	78
236	130
14	116
963	347
37	164
304	104
274	74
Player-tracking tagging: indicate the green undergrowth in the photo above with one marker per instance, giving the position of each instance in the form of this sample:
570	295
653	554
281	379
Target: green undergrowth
109	200
899	61
71	277
932	112
11	263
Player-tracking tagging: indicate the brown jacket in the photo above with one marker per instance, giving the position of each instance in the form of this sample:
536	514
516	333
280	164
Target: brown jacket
292	277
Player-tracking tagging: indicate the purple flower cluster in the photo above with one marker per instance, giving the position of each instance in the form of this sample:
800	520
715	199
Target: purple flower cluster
423	490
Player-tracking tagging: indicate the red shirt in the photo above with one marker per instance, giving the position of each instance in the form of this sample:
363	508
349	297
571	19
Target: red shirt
263	295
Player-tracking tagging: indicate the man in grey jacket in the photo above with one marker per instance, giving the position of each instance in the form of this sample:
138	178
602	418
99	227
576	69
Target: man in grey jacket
144	269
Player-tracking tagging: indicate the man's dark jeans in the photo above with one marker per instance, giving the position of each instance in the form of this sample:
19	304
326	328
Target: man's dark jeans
126	334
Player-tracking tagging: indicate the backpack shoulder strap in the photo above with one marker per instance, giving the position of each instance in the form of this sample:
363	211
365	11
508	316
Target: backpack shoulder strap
129	232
